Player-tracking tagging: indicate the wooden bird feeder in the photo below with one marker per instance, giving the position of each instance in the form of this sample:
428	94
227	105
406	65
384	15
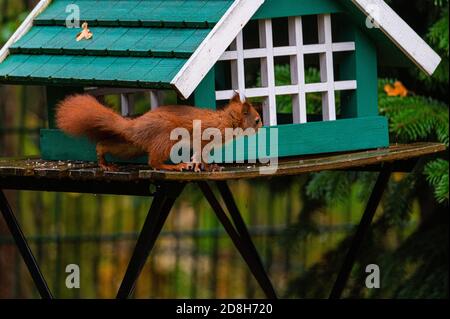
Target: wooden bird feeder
201	49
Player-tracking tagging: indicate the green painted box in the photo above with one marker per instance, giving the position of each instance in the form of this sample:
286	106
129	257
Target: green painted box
310	138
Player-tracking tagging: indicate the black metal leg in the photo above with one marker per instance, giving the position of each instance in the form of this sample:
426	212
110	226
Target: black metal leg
24	248
361	232
242	241
239	222
159	211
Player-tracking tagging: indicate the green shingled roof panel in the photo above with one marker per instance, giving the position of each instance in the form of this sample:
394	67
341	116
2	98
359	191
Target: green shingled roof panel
135	43
108	71
116	41
135	12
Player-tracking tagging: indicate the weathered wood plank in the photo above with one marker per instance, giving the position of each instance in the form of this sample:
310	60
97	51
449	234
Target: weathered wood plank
39	170
298	166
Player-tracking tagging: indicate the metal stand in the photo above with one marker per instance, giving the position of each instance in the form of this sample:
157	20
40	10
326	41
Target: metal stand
24	248
239	235
165	197
363	228
162	204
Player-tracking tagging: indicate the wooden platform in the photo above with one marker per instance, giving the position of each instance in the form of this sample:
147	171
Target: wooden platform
39	175
26	169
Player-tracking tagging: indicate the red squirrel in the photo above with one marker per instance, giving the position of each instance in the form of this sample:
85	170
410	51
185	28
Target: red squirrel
83	115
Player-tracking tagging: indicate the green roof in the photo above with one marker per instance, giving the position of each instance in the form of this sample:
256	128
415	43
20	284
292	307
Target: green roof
92	70
184	13
147	43
117	41
135	43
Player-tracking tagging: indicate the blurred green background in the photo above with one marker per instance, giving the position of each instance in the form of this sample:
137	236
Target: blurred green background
301	225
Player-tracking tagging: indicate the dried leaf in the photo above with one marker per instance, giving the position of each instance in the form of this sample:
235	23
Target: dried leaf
398	89
86	34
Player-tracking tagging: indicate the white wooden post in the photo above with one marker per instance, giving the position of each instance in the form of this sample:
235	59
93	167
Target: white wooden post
298	70
326	67
238	67
155	100
268	72
126	103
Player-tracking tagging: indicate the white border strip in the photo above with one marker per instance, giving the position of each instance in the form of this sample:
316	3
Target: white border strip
288	51
215	44
24	28
289	90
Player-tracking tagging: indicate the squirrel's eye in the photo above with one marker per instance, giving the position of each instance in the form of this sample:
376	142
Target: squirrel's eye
258	120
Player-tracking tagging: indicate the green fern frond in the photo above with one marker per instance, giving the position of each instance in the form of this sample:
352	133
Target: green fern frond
437	175
397	204
438	33
331	187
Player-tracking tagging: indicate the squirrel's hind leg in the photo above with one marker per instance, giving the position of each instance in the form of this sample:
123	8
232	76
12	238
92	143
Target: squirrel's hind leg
101	153
182	167
159	155
117	149
160	165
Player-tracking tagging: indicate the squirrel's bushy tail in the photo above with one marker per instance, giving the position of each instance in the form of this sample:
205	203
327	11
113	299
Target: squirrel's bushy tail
83	115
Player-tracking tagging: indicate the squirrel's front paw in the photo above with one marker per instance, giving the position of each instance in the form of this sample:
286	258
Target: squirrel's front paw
213	168
196	167
187	167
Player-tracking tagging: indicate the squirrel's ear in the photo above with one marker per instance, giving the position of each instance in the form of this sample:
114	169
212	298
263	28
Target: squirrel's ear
236	98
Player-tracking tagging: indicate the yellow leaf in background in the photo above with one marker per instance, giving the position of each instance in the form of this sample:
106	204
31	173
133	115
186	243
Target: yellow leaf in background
398	89
398	177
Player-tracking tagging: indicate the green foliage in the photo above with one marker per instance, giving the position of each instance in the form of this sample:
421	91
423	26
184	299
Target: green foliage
419	267
417	118
437	175
8	26
331	187
438	37
399	199
438	33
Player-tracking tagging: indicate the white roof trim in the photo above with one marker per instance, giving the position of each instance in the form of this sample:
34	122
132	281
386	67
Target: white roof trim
404	37
24	28
215	44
